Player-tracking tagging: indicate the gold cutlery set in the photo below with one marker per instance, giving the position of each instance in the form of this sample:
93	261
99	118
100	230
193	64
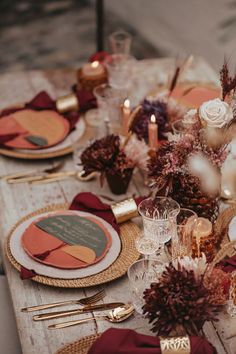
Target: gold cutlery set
47	175
119	311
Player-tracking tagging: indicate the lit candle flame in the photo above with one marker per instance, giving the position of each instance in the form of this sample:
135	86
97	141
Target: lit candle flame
95	64
153	119
127	103
227	192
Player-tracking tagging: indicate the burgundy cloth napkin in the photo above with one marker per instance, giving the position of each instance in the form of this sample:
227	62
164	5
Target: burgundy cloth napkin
43	101
127	341
27	273
228	265
92	204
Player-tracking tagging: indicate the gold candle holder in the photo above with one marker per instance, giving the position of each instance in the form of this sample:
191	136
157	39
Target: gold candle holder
125	210
67	103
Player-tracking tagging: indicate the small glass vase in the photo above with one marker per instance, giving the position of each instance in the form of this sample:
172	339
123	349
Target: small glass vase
119	183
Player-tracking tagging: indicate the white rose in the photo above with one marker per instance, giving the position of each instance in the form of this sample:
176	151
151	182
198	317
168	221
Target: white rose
216	113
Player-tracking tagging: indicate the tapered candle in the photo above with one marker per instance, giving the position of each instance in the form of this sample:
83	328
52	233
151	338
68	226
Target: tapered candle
153	133
126	116
92	70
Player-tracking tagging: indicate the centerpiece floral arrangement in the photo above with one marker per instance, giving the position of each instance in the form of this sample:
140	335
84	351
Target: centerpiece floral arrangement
187	294
115	160
189	168
165	108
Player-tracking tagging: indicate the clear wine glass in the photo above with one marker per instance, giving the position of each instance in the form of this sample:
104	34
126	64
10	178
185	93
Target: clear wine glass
147	246
141	274
155	215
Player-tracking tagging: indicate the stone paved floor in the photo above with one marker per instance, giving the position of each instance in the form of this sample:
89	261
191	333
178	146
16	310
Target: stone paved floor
37	34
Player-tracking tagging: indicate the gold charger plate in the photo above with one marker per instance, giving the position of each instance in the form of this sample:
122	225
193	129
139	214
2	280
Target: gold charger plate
29	156
81	346
128	233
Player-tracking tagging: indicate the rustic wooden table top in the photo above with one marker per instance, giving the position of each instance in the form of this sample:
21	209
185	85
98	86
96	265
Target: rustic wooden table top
19	200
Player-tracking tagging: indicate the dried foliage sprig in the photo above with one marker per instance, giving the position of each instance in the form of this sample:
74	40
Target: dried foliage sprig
178	300
174	80
218	284
228	83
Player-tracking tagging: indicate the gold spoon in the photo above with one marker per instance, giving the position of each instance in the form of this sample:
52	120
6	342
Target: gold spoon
116	315
63	175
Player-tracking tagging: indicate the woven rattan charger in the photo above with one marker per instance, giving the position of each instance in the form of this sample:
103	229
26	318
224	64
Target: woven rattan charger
128	232
81	346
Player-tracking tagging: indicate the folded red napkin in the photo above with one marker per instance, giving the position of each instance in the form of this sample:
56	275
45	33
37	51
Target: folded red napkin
43	101
92	204
228	265
127	341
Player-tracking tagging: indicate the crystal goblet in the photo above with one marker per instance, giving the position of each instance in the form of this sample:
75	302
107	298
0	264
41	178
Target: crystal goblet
156	215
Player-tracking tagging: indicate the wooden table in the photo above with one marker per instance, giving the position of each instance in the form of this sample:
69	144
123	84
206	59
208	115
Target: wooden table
18	200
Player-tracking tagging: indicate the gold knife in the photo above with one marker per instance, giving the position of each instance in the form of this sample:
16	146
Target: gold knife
58	314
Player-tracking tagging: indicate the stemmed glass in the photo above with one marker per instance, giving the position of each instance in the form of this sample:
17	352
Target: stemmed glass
147	246
141	274
156	218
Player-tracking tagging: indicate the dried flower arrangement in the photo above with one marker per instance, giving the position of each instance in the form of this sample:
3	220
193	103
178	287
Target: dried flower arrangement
189	168
184	298
163	106
170	173
114	161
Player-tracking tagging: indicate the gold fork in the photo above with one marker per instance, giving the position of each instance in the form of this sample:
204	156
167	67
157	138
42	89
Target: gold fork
83	301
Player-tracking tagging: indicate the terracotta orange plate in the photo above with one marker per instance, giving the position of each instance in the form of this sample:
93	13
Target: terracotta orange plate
194	96
37	241
46	125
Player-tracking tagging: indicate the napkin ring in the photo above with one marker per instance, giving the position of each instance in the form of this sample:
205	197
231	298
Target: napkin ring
67	103
125	210
177	345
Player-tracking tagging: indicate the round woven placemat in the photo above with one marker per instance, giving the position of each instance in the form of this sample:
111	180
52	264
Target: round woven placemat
222	224
128	232
81	346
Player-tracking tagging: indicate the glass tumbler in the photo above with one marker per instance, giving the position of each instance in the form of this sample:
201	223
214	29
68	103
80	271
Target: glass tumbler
120	42
182	233
141	274
109	102
155	215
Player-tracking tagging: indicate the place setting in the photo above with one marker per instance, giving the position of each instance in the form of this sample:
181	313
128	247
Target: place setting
153	213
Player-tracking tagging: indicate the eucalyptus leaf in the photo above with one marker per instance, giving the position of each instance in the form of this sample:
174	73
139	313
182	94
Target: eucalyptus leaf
36	140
